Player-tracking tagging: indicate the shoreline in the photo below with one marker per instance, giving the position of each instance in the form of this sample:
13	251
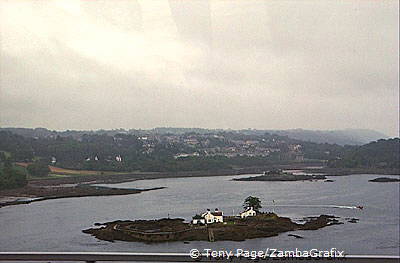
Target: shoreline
82	185
66	192
328	171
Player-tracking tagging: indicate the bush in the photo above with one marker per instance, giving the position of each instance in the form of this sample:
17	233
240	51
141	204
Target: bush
11	177
38	169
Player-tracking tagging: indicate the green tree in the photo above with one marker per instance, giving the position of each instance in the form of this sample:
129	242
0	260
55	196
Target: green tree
38	169
10	177
7	165
2	156
252	201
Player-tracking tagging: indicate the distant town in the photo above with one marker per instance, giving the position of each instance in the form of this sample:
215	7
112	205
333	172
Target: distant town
180	149
224	144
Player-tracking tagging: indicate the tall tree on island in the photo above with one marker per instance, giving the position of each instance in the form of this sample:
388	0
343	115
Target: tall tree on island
253	202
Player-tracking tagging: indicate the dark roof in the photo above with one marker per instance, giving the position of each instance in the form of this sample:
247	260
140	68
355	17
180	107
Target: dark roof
217	213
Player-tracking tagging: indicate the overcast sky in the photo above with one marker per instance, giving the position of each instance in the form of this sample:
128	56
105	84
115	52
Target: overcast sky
213	64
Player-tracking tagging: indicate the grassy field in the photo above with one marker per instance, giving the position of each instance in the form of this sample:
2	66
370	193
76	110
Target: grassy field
57	172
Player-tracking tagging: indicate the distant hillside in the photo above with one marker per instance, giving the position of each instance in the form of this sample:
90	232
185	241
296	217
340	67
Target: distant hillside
381	153
45	133
27	132
121	150
341	137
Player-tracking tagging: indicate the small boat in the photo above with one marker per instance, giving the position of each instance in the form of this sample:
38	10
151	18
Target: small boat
360	207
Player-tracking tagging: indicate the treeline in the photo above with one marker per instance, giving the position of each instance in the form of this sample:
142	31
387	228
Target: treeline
100	152
378	154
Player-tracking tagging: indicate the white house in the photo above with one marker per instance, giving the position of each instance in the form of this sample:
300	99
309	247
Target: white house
208	216
218	216
248	212
213	217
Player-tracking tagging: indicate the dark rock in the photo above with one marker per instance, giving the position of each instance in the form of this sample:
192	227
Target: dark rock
296	236
384	180
353	220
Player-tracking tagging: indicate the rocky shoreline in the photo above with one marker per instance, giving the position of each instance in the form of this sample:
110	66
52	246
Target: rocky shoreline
31	194
233	229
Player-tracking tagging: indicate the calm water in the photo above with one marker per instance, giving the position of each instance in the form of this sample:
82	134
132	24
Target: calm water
56	225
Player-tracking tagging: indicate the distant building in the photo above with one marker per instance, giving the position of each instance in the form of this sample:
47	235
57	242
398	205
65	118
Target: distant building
184	155
218	216
252	142
209	218
295	147
299	157
213	217
248	212
191	141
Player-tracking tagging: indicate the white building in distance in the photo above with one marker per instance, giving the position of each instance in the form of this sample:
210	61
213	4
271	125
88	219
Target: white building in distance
213	217
248	212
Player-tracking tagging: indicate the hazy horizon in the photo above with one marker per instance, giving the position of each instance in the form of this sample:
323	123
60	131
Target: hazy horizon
169	127
268	65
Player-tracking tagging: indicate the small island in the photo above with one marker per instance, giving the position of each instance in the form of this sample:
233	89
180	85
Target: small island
279	175
384	180
209	226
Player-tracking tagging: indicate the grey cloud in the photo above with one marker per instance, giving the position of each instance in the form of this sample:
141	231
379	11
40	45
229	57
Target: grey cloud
260	64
